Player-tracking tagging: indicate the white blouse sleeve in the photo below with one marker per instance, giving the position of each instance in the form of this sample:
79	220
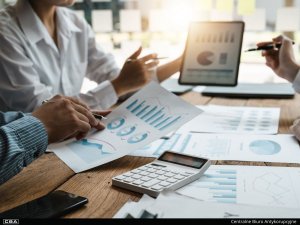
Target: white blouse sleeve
102	68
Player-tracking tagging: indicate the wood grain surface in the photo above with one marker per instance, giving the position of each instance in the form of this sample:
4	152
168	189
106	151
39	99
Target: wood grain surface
48	173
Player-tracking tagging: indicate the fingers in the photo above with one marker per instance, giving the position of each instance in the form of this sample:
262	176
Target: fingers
85	114
81	126
102	113
152	64
264	43
286	42
78	127
148	57
296	122
80	136
279	38
76	101
101	126
296	130
136	53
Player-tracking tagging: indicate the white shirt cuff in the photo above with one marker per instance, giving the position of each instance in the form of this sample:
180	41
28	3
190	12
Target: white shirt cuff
296	82
104	95
153	73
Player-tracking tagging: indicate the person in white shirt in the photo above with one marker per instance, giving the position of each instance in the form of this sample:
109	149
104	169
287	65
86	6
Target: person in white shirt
46	49
282	61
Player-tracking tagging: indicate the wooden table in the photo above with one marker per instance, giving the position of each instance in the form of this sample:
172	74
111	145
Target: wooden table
48	173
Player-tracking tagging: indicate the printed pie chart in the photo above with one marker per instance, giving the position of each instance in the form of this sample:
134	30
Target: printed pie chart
265	147
206	58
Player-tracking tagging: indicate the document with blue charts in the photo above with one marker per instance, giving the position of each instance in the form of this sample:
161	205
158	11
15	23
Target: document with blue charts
145	117
234	120
250	185
282	148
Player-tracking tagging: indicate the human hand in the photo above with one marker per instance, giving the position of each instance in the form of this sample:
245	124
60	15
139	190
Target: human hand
281	61
65	117
295	128
135	73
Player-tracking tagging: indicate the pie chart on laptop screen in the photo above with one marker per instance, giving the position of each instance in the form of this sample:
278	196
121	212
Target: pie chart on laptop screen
206	58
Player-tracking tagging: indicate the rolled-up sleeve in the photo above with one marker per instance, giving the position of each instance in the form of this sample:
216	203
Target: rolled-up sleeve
21	142
102	68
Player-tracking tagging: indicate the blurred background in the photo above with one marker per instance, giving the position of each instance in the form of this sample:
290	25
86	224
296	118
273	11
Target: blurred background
161	26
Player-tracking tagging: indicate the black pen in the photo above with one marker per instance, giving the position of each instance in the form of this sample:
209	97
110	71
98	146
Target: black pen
265	47
99	117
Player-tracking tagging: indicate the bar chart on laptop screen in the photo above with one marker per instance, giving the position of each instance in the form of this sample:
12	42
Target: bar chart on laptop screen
152	112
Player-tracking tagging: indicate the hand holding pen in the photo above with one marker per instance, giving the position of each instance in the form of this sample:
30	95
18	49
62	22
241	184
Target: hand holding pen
280	58
266	46
99	117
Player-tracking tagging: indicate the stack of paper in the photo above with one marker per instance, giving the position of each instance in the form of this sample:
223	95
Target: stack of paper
227	192
166	206
258	148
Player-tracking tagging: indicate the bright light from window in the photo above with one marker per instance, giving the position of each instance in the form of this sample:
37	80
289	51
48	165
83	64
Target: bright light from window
179	14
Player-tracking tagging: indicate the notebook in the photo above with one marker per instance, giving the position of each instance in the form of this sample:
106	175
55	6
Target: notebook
252	90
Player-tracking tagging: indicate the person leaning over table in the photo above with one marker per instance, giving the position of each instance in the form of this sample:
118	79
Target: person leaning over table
282	61
24	137
46	49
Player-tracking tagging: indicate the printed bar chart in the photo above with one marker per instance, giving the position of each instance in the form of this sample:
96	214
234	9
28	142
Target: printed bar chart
221	185
154	115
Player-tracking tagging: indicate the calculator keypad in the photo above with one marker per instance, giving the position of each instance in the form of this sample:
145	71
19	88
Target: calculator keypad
153	176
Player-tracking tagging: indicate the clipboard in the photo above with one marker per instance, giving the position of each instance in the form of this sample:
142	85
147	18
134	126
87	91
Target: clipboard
212	54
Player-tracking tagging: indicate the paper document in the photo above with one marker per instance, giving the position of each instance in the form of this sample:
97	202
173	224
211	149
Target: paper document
253	185
259	148
134	209
146	116
170	205
233	119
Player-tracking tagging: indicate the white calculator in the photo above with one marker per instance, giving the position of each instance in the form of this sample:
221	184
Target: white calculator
170	171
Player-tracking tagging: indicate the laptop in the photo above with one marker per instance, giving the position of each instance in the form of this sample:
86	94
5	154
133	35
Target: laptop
252	90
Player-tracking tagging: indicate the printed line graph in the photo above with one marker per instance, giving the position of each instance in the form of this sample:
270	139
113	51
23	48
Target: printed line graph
273	187
95	149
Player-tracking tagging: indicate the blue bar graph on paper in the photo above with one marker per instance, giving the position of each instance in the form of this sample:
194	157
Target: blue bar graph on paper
149	112
221	185
154	115
162	123
167	144
185	143
142	111
157	119
137	107
131	105
170	123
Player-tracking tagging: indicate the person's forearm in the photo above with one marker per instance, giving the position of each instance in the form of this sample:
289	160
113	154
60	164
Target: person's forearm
168	69
21	142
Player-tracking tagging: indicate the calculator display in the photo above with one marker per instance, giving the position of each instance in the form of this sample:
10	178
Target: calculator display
185	160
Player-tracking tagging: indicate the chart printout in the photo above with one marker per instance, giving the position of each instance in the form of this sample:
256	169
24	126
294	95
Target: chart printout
234	119
282	148
253	185
143	118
